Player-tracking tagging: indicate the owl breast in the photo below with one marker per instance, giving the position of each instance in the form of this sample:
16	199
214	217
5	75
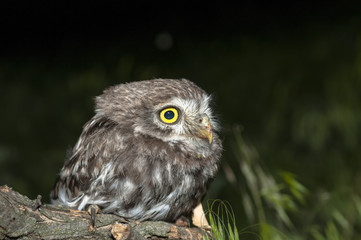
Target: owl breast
157	182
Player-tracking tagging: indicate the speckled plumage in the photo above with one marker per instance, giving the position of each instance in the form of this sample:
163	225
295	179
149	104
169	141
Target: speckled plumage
129	162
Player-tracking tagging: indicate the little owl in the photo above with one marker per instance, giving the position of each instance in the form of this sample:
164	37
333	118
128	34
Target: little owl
149	153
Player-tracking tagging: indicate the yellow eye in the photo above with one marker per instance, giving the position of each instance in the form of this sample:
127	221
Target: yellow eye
169	115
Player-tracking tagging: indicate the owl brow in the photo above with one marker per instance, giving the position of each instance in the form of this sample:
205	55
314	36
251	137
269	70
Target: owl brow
186	103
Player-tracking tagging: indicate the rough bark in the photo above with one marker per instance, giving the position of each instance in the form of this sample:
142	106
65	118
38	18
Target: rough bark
22	218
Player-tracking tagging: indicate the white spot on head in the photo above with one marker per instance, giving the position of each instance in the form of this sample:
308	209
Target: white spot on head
138	130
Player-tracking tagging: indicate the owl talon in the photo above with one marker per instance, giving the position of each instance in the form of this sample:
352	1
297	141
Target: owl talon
199	218
93	210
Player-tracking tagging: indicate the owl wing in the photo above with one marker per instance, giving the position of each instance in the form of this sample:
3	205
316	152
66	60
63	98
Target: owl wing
89	165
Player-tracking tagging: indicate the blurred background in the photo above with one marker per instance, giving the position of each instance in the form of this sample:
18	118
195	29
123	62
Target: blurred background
285	76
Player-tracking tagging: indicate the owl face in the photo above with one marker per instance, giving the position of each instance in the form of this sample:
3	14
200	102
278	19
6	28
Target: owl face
185	119
173	111
180	120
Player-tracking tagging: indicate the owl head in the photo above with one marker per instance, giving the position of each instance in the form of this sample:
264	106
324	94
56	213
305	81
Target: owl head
173	111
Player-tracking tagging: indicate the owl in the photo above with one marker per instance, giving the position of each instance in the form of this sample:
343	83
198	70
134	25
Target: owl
149	152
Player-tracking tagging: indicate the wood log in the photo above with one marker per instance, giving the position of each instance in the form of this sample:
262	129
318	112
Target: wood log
22	218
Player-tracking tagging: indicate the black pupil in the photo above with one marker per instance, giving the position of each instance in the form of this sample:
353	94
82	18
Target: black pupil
169	115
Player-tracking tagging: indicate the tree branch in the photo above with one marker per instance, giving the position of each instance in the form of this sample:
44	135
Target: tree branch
22	218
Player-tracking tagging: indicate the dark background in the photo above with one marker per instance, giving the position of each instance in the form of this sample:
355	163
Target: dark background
288	73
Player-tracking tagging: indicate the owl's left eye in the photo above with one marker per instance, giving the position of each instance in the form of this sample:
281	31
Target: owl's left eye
169	115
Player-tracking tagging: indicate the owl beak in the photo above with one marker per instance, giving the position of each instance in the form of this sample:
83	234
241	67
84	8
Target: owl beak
205	130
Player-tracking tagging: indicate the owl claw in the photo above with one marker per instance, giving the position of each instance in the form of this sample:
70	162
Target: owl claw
93	209
199	218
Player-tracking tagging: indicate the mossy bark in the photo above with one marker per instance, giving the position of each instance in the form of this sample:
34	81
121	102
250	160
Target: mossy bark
22	218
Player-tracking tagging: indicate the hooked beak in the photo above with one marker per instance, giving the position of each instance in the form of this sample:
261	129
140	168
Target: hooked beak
205	129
